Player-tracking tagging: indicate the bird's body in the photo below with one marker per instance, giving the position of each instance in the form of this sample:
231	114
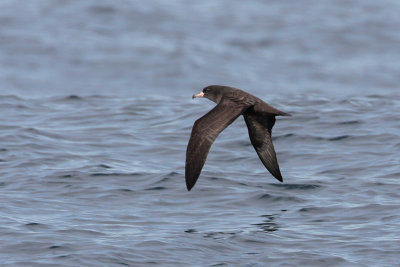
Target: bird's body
231	103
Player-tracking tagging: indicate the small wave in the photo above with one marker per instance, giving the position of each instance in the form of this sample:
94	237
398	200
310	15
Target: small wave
156	188
391	175
251	43
310	137
376	96
73	97
273	198
350	122
82	232
125	190
116	174
32	224
10	97
297	186
60	99
104	166
283	136
42	133
35	226
338	138
58	247
167	177
100	9
312	209
66	176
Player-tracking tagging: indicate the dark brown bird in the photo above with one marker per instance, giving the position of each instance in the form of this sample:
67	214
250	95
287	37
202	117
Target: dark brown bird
231	103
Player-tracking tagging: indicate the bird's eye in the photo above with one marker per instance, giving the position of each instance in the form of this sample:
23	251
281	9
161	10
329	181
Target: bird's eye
205	90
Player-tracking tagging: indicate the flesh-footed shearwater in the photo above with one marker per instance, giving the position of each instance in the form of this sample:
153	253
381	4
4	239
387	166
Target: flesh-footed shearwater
231	103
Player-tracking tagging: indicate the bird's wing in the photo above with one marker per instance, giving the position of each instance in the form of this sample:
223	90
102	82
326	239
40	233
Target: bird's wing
260	127
205	130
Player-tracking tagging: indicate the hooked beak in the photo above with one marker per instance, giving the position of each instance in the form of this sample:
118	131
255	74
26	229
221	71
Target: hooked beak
201	94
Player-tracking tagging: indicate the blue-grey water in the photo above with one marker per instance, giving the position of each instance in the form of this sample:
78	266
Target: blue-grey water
96	113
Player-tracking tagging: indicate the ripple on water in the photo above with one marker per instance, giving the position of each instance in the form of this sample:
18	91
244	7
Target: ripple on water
297	186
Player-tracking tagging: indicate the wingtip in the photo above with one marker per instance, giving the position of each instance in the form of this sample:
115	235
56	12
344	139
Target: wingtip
278	176
189	187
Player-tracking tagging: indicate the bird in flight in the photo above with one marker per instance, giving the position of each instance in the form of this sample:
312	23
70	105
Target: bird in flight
231	103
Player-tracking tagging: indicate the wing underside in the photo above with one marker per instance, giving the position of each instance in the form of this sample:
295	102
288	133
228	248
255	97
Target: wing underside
205	130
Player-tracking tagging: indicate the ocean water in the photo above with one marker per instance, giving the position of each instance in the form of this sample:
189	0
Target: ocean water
96	113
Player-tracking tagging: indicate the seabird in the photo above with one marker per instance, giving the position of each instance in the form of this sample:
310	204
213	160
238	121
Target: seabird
231	103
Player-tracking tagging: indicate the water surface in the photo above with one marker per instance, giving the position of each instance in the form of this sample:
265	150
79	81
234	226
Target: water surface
96	116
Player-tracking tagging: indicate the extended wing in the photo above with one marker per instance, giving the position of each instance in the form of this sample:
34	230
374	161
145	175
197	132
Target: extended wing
260	127
205	130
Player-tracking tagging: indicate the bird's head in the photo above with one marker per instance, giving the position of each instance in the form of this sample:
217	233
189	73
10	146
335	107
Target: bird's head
212	92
